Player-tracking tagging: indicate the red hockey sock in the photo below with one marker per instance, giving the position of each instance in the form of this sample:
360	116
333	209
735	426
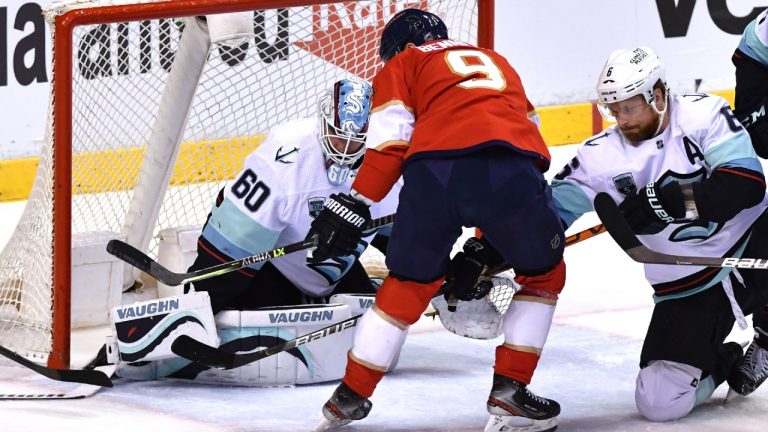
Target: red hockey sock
361	379
515	364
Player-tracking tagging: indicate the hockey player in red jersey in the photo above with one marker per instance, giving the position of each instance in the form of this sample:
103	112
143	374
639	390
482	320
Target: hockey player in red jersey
452	119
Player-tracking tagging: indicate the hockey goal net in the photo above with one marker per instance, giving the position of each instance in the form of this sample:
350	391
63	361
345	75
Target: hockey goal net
150	115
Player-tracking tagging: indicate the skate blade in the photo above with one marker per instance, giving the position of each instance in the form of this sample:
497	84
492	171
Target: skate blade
330	425
506	423
732	395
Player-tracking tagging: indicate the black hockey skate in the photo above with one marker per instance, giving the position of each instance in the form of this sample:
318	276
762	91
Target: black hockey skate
729	357
343	407
751	371
515	408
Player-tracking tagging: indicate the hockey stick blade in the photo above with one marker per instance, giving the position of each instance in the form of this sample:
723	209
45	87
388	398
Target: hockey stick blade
196	351
621	232
92	377
80	392
143	262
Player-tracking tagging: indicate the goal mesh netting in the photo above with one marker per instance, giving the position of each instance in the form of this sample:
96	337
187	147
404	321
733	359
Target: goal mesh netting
159	123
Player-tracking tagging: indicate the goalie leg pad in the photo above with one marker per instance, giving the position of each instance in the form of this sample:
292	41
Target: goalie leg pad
320	360
145	330
666	390
358	303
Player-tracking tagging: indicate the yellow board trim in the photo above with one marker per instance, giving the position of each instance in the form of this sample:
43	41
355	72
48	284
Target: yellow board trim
201	163
560	125
566	124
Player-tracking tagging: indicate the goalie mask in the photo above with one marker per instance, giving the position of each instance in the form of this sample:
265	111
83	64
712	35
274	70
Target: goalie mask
628	73
344	114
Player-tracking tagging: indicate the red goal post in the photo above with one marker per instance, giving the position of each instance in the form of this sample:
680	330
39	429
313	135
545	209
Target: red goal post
85	185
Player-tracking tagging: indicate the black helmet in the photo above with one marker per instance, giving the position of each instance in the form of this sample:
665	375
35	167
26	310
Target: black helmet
410	25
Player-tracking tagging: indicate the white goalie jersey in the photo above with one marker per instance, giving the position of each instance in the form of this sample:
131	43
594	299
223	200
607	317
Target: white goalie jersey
273	200
703	135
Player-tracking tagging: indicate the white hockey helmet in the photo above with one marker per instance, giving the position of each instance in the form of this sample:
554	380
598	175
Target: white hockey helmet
344	113
628	73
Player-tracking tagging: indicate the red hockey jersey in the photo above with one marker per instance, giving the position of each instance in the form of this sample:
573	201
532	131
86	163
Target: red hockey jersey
441	99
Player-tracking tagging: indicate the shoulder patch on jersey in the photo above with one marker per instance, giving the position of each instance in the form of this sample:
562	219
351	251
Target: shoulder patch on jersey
282	156
315	205
695	97
593	141
625	184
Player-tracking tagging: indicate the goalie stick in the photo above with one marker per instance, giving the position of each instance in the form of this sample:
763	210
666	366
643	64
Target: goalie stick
621	232
80	392
92	377
143	262
192	349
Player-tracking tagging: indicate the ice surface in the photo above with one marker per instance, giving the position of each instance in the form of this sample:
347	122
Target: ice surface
442	381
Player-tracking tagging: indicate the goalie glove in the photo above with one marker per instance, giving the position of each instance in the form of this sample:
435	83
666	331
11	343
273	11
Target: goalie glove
462	280
479	319
338	227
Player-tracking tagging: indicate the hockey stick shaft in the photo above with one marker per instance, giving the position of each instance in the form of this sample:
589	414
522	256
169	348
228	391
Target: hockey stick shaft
584	235
622	233
192	349
92	377
143	262
569	241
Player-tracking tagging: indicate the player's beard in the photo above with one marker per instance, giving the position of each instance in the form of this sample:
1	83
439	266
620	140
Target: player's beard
638	134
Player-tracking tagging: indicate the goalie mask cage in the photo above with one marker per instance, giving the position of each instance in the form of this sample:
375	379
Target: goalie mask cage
149	118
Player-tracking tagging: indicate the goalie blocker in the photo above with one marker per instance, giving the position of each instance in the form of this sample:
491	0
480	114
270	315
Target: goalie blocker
320	360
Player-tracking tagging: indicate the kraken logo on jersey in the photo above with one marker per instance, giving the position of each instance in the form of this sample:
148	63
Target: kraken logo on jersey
625	184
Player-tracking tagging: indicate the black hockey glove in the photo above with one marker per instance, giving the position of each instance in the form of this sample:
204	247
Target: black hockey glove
653	208
339	227
462	278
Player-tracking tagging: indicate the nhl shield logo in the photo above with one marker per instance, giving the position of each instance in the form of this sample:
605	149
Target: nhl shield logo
625	184
315	206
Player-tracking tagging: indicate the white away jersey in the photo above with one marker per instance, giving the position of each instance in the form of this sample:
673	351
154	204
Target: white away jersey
273	200
702	135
